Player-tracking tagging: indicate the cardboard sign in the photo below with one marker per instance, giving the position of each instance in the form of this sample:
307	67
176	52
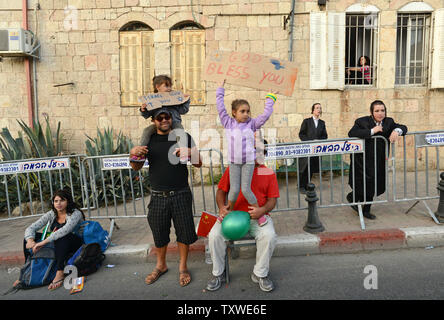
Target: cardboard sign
159	99
251	70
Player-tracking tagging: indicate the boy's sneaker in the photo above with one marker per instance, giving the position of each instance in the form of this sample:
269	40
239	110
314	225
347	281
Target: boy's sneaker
264	283
215	283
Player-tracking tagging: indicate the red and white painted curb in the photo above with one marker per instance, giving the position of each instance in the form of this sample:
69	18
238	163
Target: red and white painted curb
343	242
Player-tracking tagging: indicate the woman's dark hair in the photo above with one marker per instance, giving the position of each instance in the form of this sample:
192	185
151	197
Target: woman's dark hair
237	103
313	106
377	103
161	79
367	60
65	194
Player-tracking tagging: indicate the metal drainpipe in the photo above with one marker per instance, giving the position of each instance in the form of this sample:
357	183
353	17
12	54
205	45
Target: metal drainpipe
28	68
290	46
34	71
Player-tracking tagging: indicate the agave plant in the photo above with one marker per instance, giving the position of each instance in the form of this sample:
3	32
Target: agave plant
13	149
104	143
35	142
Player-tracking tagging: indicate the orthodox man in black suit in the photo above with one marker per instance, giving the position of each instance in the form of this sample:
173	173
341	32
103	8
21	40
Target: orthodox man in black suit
312	128
377	124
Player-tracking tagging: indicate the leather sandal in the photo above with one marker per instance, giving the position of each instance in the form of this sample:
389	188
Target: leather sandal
184	278
154	276
56	285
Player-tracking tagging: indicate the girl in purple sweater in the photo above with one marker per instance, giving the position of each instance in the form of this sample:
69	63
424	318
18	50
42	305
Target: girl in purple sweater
240	128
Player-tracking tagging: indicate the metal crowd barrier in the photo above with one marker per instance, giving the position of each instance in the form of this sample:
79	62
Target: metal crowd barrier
114	190
26	186
419	144
328	152
111	184
107	187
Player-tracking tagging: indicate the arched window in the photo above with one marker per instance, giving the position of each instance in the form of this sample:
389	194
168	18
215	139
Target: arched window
187	59
412	44
136	62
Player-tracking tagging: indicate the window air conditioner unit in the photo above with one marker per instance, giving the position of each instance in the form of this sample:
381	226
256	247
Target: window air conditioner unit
15	42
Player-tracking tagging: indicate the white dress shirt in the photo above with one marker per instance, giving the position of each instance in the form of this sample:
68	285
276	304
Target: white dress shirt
398	130
316	121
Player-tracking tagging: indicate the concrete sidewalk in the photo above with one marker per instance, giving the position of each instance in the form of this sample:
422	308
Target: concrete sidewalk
392	229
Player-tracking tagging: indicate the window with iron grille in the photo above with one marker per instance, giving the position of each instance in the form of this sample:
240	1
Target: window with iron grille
360	49
412	49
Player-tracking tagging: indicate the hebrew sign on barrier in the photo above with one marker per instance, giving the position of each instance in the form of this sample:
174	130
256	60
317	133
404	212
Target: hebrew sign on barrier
251	70
33	166
429	140
315	149
118	163
159	99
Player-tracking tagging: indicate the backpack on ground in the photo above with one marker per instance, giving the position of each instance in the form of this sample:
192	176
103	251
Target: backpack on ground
92	232
39	269
87	259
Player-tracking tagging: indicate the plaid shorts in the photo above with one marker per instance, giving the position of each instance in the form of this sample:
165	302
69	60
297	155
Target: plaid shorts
164	208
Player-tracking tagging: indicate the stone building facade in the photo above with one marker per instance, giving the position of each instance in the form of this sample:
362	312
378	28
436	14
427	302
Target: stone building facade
81	43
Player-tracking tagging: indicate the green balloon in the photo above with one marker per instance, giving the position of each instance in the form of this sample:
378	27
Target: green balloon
236	225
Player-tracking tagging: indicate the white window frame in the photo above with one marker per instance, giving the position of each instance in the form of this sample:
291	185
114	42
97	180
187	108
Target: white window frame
425	49
420	7
437	51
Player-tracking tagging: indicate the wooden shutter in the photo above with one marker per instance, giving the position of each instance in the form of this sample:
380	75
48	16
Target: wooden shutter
147	62
136	65
195	59
188	58
130	85
438	50
336	50
318	50
177	59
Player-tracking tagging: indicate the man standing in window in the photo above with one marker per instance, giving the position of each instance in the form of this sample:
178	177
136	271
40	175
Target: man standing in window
171	197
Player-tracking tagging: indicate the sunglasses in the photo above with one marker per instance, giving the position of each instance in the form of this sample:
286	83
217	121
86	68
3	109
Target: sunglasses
160	118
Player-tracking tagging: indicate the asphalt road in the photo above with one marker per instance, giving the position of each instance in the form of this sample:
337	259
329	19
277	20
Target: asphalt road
388	275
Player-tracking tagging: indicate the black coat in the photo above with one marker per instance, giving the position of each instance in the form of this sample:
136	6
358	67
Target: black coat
362	129
309	132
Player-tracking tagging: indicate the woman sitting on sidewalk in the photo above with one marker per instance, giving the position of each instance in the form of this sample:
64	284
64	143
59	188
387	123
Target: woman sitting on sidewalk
63	219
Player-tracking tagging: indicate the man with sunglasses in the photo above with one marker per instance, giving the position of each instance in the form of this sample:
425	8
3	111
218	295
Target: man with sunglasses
168	152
